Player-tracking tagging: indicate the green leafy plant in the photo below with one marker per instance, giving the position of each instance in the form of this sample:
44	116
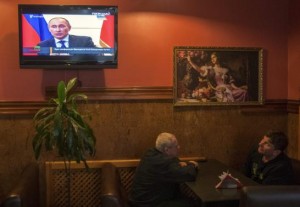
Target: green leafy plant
60	127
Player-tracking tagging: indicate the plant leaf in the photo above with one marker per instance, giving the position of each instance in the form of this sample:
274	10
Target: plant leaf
61	92
71	84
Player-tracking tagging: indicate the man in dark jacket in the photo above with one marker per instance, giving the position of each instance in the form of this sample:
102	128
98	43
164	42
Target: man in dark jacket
157	178
268	164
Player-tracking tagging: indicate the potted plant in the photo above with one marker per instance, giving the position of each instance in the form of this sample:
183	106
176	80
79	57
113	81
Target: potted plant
61	128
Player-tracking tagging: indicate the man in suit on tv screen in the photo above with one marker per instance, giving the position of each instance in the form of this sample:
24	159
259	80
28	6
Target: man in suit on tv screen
59	27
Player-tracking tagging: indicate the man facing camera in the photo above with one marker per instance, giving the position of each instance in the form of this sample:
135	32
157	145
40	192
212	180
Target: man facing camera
59	27
268	164
157	178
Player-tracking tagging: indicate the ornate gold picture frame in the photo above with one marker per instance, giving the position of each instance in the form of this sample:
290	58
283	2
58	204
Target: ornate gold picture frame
218	76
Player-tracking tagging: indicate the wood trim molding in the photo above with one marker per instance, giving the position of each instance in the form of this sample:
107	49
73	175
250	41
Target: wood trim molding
60	165
124	93
293	106
138	93
279	105
20	107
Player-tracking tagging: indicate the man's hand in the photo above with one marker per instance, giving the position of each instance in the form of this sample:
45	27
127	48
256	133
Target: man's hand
182	164
194	163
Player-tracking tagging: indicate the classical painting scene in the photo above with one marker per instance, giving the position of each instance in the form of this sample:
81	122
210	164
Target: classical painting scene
217	75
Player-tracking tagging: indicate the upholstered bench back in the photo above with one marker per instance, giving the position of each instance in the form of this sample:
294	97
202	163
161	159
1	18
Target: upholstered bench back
273	196
85	185
296	168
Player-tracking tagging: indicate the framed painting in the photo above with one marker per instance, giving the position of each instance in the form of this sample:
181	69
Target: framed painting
218	76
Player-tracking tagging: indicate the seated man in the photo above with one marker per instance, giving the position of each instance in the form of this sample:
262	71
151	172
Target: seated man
268	164
157	178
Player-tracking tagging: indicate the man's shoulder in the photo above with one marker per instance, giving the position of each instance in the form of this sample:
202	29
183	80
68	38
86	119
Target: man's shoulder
81	41
77	37
284	158
46	42
156	157
153	153
281	162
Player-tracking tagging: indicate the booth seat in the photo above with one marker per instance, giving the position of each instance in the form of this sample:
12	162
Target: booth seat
113	193
11	201
273	196
106	183
25	192
296	168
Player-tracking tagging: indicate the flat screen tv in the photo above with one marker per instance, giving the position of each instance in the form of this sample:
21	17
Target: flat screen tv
89	36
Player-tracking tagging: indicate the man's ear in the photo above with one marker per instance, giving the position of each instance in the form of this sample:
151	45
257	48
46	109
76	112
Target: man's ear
166	150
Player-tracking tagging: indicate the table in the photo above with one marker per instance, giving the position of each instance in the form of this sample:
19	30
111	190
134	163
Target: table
208	178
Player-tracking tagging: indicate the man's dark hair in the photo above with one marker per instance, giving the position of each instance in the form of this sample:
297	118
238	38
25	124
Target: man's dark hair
278	139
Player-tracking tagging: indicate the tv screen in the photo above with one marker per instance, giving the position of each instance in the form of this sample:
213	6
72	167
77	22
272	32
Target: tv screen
68	36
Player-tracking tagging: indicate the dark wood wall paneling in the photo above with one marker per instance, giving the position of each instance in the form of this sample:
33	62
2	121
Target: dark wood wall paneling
127	120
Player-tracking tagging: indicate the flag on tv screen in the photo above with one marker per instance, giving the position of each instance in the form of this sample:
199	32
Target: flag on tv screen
35	29
107	31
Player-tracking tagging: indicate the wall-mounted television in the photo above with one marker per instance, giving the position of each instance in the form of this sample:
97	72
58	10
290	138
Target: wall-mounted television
68	36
